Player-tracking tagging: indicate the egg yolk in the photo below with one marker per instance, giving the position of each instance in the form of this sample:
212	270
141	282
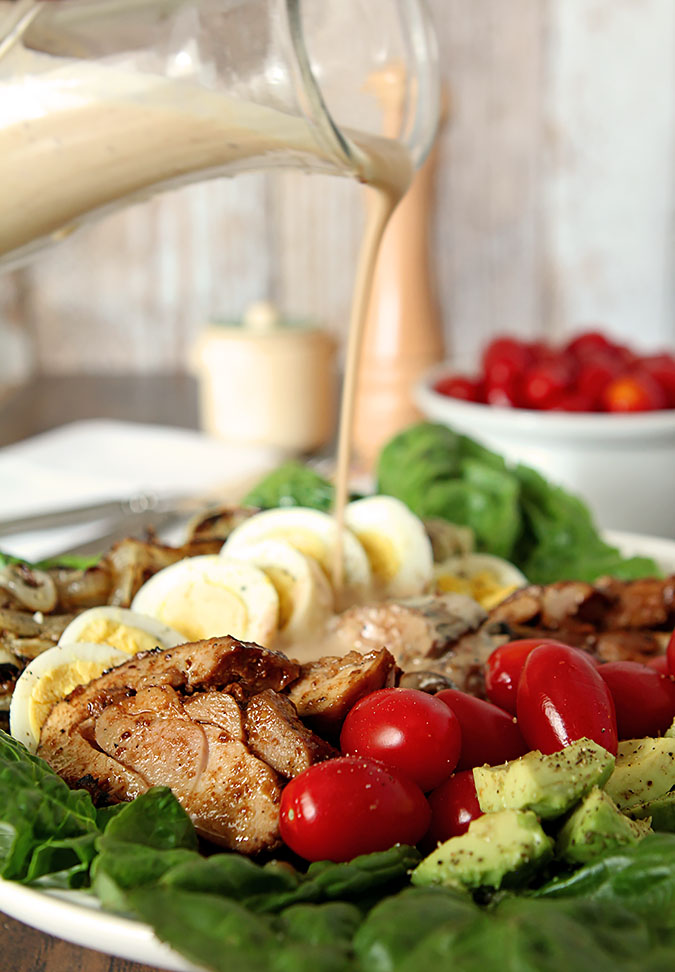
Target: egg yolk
55	685
382	555
306	542
105	631
284	584
483	587
203	610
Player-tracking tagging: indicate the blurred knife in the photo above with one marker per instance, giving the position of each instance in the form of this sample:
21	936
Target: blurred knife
136	525
138	504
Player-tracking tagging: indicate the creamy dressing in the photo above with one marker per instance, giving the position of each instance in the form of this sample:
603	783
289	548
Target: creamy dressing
78	138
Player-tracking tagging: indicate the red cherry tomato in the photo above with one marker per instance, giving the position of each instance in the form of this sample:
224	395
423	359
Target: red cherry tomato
349	806
573	401
595	373
659	664
504	360
502	393
459	386
504	668
489	735
411	732
643	699
662	369
670	653
588	344
637	392
544	383
454	804
561	698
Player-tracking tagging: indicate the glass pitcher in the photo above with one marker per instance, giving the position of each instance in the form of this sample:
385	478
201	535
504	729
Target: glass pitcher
104	102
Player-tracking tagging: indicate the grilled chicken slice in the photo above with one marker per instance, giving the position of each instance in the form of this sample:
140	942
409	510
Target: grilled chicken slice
276	734
328	688
611	619
232	796
411	629
606	605
217	709
436	634
162	718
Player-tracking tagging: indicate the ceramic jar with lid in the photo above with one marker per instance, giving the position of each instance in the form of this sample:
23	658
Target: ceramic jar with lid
268	381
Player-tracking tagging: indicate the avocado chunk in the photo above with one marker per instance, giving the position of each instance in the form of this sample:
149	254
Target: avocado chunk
597	825
644	771
498	850
661	812
670	732
549	785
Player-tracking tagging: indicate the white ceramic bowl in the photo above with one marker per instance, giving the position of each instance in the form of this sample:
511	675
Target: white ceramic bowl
623	466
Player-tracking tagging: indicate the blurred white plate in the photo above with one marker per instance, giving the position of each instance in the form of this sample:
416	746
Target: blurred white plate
95	460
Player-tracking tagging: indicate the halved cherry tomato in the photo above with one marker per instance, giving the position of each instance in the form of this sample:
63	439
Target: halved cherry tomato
349	806
504	668
454	804
561	698
409	731
644	700
489	735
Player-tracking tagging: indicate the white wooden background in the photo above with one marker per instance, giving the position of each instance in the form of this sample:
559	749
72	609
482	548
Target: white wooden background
555	208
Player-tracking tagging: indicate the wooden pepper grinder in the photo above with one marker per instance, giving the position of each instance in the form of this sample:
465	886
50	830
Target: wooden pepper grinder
404	333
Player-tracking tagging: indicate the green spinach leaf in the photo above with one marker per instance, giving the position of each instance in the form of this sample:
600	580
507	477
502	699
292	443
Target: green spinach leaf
44	825
292	484
640	878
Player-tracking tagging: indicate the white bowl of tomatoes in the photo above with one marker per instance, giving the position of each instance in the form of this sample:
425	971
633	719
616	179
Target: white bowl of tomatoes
594	416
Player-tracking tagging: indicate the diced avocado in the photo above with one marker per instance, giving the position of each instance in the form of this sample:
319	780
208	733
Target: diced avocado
498	850
661	812
644	771
595	826
671	731
549	785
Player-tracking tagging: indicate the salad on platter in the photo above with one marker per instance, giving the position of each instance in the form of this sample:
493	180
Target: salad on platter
463	756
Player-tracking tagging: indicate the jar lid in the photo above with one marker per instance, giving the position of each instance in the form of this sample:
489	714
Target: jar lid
263	318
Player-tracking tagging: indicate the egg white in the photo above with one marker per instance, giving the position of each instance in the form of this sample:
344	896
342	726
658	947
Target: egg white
211	596
396	543
128	631
305	596
316	535
49	678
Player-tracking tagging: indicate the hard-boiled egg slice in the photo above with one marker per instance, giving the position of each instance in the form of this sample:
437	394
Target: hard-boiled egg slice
49	678
128	631
211	596
314	534
396	542
485	578
305	595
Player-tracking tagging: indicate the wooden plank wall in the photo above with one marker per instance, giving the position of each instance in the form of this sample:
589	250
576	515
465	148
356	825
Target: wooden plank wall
555	207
